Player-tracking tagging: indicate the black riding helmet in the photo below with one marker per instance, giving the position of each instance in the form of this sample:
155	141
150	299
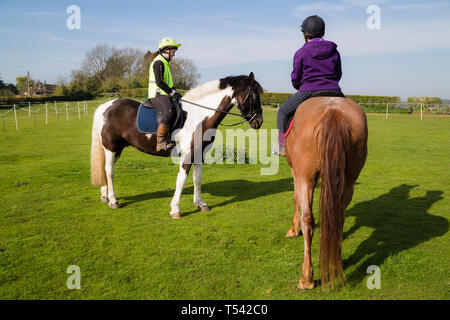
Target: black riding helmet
313	26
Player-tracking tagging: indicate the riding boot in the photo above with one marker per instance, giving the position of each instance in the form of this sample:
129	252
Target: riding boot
281	144
162	142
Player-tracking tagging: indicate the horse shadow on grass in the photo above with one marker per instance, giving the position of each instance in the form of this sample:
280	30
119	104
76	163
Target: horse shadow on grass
238	190
399	223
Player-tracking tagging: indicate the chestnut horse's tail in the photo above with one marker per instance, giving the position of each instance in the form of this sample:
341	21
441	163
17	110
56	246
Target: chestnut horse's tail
334	140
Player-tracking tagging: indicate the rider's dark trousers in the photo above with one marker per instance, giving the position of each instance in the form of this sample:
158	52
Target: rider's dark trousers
164	105
288	108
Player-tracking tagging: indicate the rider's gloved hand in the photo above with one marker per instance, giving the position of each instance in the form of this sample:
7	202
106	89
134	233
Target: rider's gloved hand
174	93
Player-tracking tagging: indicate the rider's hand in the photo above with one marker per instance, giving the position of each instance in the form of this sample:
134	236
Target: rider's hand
176	94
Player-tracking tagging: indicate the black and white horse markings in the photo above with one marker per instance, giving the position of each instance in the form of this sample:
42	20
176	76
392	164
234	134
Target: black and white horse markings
114	128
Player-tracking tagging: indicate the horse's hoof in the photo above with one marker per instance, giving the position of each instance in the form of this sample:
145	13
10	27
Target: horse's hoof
104	199
291	234
302	285
205	208
176	215
114	205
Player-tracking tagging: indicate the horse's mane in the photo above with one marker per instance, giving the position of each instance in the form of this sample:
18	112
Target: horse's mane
216	85
202	90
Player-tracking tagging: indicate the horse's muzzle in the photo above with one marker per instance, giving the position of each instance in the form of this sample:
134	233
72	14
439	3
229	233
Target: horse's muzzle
257	122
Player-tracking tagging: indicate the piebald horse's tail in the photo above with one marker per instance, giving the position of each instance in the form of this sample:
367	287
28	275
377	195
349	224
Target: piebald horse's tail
98	173
334	139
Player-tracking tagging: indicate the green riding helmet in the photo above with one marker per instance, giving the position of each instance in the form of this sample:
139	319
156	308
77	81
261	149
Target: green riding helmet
168	43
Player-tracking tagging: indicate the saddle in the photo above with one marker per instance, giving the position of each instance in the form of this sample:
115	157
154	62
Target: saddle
326	93
149	117
322	93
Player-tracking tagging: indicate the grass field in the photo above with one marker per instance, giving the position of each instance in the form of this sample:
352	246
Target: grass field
51	218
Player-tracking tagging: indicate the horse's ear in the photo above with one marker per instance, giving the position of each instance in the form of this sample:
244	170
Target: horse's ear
251	76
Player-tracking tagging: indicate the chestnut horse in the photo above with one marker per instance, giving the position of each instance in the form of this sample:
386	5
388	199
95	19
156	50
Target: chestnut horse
114	128
328	139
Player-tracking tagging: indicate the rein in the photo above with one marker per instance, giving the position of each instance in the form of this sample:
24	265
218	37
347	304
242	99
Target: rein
249	95
205	107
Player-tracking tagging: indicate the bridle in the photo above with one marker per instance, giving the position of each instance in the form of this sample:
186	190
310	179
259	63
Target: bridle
251	112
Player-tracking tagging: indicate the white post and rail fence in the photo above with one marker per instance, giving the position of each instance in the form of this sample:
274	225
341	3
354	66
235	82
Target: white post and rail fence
20	112
27	113
389	108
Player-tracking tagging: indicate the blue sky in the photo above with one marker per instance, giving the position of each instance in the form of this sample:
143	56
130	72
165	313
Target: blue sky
408	56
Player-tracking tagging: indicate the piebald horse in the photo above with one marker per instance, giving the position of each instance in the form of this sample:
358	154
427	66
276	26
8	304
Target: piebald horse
328	139
114	128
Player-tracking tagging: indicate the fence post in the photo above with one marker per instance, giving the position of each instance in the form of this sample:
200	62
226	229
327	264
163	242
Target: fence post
78	106
67	113
46	113
56	110
387	109
15	117
29	109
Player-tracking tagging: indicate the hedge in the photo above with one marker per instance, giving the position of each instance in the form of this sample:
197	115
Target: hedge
138	92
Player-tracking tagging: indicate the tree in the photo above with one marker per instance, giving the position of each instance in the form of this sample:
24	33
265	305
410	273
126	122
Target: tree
107	69
116	66
12	88
415	102
133	61
7	89
185	73
22	83
62	86
96	60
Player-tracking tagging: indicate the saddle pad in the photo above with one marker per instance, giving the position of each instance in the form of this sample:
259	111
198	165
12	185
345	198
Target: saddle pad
146	120
291	122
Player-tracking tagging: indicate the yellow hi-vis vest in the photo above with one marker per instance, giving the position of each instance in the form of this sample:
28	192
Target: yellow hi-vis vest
153	89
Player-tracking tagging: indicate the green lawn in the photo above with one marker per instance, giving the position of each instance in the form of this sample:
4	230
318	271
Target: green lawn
51	218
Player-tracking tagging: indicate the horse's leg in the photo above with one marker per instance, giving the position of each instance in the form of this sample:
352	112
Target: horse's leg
110	160
104	192
197	178
181	180
303	199
294	231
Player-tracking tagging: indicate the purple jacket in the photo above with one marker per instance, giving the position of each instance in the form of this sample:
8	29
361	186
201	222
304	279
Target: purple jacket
317	66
